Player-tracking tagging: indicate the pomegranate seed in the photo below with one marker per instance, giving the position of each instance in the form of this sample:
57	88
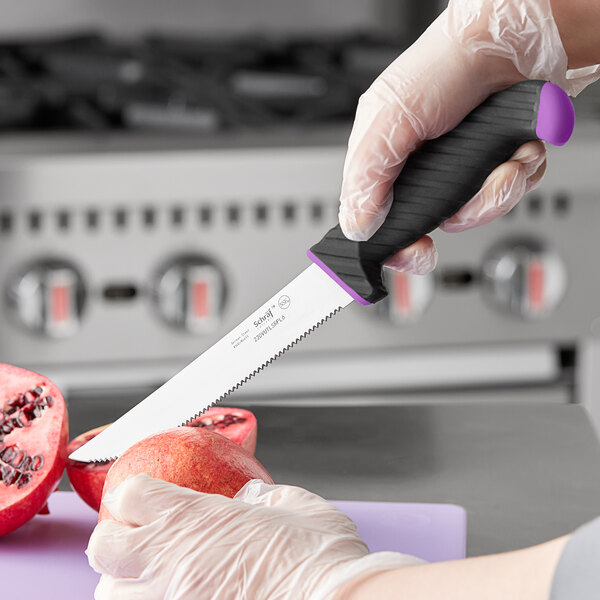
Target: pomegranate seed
37	462
7	454
49	400
18	458
23	480
219	422
11	476
26	464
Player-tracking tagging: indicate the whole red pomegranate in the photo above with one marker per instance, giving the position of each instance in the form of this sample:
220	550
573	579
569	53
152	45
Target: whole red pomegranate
196	458
87	479
33	444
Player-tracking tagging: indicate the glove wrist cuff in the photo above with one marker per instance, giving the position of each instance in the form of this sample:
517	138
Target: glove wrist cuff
341	581
523	32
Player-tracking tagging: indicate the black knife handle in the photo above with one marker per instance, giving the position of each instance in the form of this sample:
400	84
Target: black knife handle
442	176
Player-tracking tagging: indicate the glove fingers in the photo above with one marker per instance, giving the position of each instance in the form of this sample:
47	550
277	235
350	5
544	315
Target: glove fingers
290	497
286	497
534	181
503	188
119	550
111	588
381	139
298	501
142	499
360	222
101	543
424	93
419	258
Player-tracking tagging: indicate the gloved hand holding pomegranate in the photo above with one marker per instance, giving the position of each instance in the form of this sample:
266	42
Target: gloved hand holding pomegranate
278	542
475	48
270	542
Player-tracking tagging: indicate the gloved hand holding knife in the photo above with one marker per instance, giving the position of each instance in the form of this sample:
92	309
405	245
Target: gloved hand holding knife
475	48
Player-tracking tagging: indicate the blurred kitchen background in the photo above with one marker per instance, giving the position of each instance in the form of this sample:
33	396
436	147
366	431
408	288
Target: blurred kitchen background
165	166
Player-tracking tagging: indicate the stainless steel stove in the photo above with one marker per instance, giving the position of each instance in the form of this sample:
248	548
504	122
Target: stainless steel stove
133	238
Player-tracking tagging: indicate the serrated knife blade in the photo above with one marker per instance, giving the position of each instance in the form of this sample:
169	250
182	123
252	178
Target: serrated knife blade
292	313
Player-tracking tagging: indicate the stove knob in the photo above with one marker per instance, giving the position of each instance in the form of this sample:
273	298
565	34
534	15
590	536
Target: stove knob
409	296
525	278
48	298
189	293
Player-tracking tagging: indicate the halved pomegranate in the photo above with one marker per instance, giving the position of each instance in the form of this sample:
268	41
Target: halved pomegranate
196	458
87	479
236	424
34	432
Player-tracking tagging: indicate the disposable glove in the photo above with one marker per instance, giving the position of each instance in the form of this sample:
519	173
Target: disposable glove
270	542
475	48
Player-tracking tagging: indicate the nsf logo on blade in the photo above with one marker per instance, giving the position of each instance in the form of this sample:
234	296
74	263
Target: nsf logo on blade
284	302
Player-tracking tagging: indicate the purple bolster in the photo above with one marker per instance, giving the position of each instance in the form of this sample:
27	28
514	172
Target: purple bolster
556	116
333	276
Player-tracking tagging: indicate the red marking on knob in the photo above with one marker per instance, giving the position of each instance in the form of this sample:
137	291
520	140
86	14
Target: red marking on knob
61	303
402	301
200	299
535	284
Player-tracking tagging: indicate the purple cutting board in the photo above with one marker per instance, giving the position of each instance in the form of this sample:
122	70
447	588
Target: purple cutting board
55	543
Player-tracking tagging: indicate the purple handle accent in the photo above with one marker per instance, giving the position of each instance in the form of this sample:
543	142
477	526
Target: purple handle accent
556	115
333	276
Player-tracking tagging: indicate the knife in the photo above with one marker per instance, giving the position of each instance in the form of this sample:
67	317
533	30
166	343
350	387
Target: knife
434	183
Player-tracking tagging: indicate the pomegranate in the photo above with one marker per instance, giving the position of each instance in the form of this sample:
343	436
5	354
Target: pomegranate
87	479
195	458
236	424
33	444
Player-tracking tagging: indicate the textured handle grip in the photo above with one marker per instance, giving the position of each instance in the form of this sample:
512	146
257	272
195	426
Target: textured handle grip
442	176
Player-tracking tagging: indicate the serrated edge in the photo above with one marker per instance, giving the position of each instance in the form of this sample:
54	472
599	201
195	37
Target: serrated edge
261	367
243	381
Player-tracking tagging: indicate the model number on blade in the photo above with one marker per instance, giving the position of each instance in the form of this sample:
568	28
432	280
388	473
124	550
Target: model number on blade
268	328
